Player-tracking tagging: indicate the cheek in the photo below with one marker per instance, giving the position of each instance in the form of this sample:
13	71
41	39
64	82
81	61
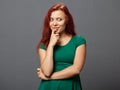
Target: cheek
63	25
50	25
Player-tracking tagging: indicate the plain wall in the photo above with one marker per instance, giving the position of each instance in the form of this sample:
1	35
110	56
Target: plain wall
20	30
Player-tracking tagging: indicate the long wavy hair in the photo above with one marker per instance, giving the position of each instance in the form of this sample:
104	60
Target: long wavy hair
46	31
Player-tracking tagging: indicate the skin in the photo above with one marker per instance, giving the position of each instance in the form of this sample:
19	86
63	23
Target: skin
58	21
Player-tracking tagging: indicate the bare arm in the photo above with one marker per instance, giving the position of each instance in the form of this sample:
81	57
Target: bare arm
46	56
71	70
46	60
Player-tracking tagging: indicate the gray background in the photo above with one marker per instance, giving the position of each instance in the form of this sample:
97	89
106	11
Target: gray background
97	20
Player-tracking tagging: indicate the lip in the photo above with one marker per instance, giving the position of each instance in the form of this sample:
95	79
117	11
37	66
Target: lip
56	28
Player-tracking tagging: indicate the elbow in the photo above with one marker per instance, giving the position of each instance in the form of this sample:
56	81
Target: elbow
77	71
47	75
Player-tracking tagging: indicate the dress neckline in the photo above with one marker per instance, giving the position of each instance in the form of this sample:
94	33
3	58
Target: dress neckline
66	43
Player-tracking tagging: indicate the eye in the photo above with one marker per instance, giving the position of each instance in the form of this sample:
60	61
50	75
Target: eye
59	19
51	19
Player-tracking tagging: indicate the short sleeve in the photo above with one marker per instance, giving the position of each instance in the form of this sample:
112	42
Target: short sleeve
42	46
80	40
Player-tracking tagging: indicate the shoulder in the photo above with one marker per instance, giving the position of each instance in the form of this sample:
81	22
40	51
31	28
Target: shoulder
79	40
78	37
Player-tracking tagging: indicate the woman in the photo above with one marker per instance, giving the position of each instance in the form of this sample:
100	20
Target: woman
62	53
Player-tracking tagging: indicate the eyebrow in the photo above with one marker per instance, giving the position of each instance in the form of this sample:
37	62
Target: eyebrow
56	17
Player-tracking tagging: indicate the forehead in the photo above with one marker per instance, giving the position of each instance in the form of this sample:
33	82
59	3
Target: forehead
58	13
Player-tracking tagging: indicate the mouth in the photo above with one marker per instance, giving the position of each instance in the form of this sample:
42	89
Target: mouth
56	29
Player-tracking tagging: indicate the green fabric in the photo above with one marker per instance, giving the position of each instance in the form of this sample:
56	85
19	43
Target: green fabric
64	57
42	46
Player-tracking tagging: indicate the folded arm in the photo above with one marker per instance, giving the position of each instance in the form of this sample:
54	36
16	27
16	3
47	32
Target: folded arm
75	68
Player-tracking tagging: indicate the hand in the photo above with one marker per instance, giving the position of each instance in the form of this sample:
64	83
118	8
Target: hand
54	37
41	75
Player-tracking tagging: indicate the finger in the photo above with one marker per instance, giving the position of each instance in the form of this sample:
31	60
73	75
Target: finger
53	32
39	77
38	69
38	73
58	31
57	34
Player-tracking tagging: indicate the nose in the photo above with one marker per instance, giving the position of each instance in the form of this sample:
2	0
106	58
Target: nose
54	23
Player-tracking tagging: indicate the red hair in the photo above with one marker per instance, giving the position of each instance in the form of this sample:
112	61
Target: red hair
46	32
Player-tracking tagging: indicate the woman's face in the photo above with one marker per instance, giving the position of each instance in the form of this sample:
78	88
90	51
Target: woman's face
58	21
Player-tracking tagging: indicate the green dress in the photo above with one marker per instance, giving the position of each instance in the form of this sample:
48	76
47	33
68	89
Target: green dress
63	58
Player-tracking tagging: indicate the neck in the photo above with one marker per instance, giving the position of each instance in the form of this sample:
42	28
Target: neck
63	35
63	38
